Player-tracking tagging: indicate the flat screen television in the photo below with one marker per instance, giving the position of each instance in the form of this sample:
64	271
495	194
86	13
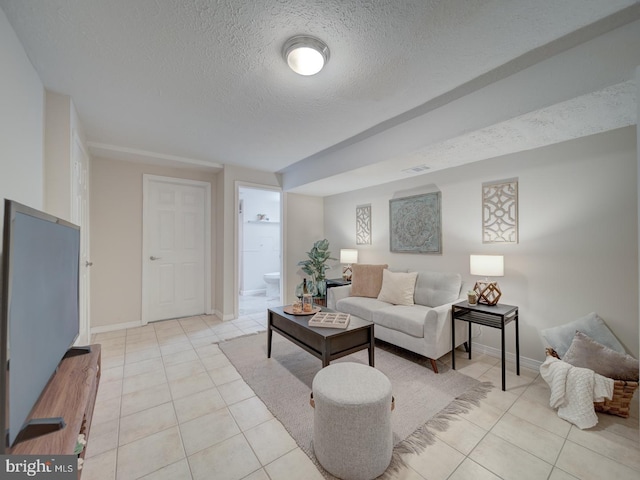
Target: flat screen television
40	310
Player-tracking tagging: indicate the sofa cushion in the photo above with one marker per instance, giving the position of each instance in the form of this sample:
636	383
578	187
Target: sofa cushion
585	352
434	288
403	318
366	280
397	288
362	307
560	337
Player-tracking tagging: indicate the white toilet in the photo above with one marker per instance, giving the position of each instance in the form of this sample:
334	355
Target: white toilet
273	284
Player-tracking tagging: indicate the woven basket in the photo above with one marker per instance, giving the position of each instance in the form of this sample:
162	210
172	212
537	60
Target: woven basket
622	394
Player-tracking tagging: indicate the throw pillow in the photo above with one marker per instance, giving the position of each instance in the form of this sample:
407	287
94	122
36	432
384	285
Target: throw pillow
585	352
435	288
560	337
366	280
397	287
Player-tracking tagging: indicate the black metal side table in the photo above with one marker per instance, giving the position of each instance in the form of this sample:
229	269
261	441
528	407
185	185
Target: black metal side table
337	282
495	316
330	283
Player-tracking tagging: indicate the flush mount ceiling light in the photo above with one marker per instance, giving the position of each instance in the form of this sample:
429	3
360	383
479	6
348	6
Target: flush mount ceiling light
305	55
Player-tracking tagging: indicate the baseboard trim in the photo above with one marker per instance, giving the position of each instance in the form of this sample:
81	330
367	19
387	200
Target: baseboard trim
526	362
115	326
224	318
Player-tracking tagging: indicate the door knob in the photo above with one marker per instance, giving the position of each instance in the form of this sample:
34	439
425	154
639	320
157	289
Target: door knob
88	263
154	258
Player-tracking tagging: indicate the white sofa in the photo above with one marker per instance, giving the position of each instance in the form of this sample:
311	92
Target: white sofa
423	328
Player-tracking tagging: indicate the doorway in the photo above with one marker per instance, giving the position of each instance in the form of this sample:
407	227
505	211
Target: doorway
259	249
176	273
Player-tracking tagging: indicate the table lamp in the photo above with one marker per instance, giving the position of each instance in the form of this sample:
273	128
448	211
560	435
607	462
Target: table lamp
487	266
347	257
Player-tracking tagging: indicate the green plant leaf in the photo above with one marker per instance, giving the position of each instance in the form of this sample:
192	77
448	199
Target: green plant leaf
316	266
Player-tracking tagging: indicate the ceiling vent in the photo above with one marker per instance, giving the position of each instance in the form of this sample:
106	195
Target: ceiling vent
415	170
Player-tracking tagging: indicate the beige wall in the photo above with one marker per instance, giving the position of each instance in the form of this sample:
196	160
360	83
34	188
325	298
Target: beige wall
116	237
302	228
21	123
578	249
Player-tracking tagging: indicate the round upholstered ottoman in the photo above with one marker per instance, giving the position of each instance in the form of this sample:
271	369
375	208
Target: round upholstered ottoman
352	436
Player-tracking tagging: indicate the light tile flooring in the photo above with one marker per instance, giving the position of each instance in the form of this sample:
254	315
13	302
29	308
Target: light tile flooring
248	304
171	406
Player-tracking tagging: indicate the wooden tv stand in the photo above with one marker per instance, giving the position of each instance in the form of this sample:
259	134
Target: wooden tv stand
70	394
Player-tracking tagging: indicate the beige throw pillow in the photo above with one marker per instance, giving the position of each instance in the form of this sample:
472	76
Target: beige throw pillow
366	280
398	287
585	352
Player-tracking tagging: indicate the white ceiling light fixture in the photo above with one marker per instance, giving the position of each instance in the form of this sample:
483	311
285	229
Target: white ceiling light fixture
305	55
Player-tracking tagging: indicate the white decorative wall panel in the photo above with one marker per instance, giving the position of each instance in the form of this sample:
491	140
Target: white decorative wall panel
363	225
500	212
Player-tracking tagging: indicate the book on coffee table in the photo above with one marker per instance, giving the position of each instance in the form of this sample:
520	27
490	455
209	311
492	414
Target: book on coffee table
330	320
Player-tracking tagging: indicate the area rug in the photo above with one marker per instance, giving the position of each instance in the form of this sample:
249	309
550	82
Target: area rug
425	401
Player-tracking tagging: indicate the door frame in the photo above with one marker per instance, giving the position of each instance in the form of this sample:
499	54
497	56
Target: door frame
238	232
79	178
147	179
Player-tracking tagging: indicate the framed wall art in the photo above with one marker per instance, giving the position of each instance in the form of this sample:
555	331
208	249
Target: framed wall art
415	224
500	211
363	224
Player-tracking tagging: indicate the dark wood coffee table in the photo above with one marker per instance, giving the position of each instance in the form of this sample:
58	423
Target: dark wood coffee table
324	343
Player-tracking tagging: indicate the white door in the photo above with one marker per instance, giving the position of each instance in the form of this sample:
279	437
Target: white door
175	236
80	216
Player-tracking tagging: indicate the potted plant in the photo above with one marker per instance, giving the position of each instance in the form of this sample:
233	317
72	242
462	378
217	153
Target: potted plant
316	267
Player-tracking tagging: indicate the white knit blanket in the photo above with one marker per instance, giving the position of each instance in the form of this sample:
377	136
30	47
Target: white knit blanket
573	391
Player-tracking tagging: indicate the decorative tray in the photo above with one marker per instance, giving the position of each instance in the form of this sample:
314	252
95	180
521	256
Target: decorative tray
330	320
289	309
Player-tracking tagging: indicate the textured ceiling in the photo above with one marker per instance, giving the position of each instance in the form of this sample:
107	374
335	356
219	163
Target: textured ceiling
203	82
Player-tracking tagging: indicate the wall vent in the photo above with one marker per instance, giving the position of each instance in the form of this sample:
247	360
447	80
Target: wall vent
416	170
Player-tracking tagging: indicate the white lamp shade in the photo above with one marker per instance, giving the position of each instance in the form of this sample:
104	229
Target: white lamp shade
348	255
486	265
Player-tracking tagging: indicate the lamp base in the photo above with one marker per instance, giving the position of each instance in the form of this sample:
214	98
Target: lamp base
488	292
346	272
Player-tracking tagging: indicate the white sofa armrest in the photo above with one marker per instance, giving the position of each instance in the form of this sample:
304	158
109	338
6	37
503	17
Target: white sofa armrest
337	293
438	319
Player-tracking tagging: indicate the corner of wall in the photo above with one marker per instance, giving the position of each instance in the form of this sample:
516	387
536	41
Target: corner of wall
638	173
57	154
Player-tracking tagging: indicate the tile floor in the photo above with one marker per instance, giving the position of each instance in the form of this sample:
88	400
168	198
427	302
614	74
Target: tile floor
171	406
248	304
